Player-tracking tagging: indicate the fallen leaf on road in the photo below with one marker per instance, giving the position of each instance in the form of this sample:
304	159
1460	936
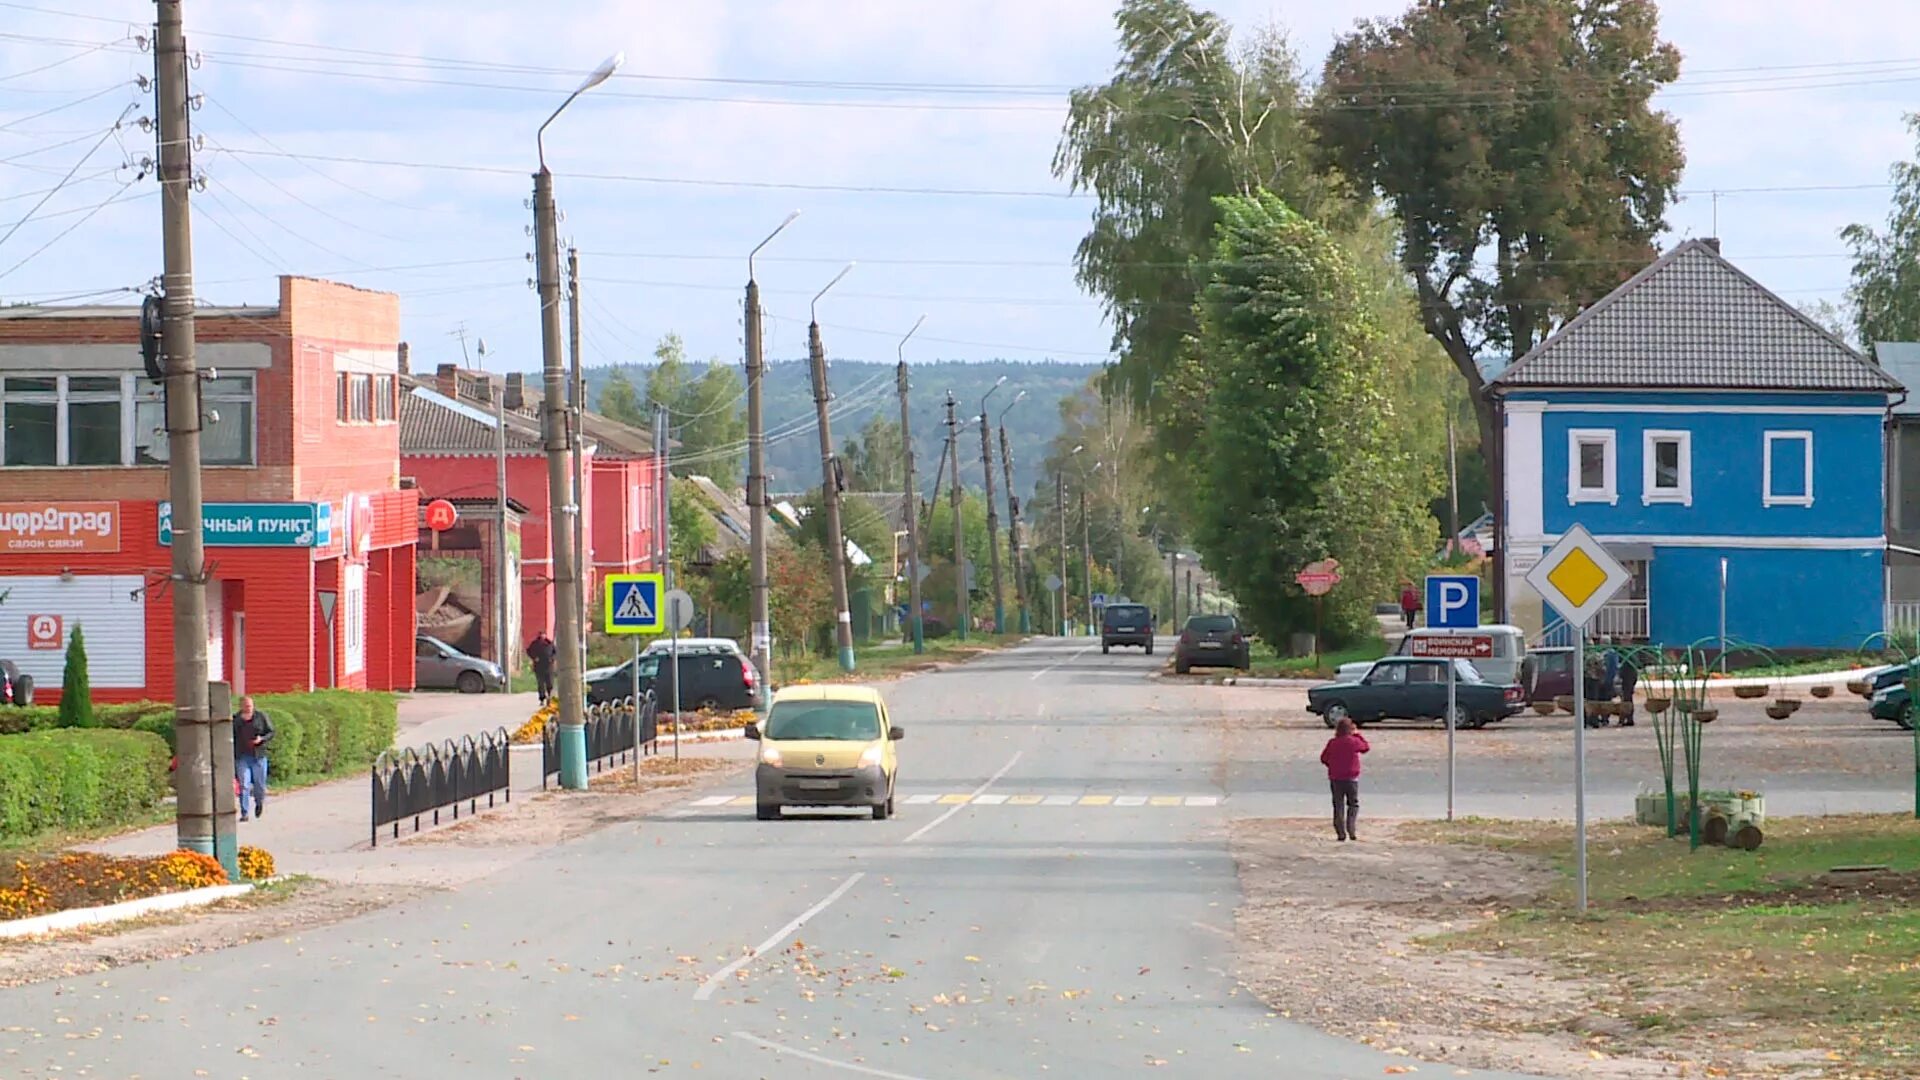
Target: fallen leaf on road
973	959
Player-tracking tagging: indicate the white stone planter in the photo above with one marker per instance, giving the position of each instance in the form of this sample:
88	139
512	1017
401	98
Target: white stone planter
127	909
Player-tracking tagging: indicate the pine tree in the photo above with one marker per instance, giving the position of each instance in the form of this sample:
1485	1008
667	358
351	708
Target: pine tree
76	697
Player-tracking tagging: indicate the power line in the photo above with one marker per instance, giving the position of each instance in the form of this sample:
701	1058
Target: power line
68	178
62	234
75	103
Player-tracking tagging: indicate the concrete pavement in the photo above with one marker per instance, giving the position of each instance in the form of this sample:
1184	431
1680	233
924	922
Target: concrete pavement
1069	936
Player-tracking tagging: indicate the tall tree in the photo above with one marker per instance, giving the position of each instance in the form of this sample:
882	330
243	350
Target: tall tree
1885	294
876	460
76	694
1303	459
1185	117
705	407
620	401
1517	142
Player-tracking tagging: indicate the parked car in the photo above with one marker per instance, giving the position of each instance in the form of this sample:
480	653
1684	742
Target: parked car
712	680
1408	688
1504	666
15	688
826	746
1552	673
1212	641
1126	624
1892	702
439	666
694	644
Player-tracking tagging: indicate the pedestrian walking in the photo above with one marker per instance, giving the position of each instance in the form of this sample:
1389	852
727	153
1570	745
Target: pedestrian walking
1629	681
541	651
252	732
1341	756
1409	602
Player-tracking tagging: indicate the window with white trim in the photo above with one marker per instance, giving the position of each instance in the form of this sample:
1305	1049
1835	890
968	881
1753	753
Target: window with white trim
353	602
1787	469
1667	468
1591	466
113	419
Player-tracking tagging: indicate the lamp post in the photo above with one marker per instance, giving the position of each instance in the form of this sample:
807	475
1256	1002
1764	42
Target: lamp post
565	567
993	514
912	494
761	615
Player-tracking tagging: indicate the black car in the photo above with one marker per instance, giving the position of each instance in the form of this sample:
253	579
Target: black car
1126	624
1212	641
710	680
1412	688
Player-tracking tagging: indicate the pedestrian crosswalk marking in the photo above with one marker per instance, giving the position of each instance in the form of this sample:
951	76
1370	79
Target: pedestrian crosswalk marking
1103	800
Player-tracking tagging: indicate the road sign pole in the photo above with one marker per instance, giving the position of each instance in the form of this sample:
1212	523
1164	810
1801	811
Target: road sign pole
1317	603
636	710
1580	769
1452	701
679	730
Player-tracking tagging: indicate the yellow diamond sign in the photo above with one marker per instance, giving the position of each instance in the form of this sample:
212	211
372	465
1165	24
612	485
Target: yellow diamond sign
1578	577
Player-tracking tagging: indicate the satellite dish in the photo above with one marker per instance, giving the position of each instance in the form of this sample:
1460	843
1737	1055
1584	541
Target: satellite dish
481	348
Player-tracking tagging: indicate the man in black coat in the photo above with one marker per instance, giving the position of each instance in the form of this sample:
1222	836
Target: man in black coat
252	732
541	651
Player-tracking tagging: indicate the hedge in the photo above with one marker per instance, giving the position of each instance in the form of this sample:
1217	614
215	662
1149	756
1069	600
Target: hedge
121	717
78	779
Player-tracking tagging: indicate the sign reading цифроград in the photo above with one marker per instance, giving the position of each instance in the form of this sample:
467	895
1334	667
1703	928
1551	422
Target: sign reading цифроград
302	525
63	527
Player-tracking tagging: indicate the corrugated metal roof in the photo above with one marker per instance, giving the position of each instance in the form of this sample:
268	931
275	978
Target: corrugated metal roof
1692	320
432	423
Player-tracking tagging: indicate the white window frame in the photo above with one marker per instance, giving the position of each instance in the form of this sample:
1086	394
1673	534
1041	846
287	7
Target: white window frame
1767	497
353	602
1608	438
1649	471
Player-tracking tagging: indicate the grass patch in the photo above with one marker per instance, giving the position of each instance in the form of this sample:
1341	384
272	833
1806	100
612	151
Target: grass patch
1271	665
1689	939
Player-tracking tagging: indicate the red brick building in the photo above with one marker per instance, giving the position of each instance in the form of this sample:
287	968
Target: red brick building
310	539
449	451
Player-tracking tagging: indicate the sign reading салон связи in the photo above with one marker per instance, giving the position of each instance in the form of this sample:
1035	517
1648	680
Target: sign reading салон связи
59	527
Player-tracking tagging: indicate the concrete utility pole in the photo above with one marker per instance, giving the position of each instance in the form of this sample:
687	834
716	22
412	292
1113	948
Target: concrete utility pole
761	616
1086	554
578	400
962	596
911	495
1453	491
203	743
502	625
831	481
1060	511
1173	589
565	566
1013	533
993	515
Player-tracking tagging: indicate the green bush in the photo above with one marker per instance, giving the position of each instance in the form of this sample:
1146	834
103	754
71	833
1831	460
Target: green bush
327	732
122	717
76	694
160	724
79	779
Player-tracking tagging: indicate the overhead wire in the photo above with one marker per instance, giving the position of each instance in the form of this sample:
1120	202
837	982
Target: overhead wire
64	233
74	104
67	179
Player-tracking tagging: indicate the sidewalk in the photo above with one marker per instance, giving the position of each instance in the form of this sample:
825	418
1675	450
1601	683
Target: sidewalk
323	830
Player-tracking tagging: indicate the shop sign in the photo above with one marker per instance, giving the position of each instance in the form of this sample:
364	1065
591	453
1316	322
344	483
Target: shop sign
300	525
63	527
45	632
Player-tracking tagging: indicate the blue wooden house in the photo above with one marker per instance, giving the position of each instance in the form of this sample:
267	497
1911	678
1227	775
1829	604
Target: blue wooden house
1693	420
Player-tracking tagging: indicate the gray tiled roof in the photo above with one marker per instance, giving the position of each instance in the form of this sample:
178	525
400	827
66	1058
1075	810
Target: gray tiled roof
1692	320
431	423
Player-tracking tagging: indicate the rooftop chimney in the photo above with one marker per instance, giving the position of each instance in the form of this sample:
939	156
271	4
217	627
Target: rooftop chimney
406	367
1712	242
446	379
516	391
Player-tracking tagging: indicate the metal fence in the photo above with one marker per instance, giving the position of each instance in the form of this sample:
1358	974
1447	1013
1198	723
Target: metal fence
417	781
614	732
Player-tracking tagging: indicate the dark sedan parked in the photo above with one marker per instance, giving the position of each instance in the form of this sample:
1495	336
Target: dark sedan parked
1409	688
1212	641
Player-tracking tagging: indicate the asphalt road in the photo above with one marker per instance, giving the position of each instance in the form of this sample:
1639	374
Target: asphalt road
1081	926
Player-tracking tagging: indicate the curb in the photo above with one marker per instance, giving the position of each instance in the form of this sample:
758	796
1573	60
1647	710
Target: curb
126	909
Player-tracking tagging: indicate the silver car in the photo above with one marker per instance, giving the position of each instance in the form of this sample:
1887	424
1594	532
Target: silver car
439	666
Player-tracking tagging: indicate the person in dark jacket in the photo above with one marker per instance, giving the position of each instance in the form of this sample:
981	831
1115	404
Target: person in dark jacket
252	732
1342	759
1629	681
541	651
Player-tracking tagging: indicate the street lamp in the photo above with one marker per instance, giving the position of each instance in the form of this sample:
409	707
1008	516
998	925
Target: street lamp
911	493
566	560
761	617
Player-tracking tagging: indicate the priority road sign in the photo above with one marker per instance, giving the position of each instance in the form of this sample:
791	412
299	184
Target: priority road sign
1578	577
1453	601
634	603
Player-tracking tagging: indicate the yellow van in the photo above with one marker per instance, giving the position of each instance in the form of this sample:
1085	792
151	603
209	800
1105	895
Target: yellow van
825	746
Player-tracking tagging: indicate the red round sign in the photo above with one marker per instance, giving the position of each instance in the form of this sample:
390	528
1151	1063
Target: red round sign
441	515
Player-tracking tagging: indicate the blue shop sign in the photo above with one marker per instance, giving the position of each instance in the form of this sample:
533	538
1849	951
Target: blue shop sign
301	525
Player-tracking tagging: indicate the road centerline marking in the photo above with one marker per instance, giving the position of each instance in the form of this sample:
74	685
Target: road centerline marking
1049	670
977	792
817	1059
713	981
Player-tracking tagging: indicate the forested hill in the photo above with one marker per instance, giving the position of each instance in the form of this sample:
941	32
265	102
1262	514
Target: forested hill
864	389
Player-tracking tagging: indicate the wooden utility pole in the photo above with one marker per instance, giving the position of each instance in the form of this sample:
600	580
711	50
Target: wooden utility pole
1060	511
830	486
962	597
1013	533
911	495
1086	554
1453	490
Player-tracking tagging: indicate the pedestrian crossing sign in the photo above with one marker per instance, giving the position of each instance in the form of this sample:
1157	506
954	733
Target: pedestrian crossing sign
633	604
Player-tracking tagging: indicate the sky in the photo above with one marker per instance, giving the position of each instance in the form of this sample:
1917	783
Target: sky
390	145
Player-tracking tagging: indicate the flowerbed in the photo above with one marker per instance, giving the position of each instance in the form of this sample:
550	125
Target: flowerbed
692	723
83	879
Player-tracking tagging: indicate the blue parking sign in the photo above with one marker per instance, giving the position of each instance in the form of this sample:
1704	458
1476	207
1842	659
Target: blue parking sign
1453	601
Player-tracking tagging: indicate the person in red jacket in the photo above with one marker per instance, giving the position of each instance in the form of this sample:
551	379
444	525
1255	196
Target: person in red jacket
1342	759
